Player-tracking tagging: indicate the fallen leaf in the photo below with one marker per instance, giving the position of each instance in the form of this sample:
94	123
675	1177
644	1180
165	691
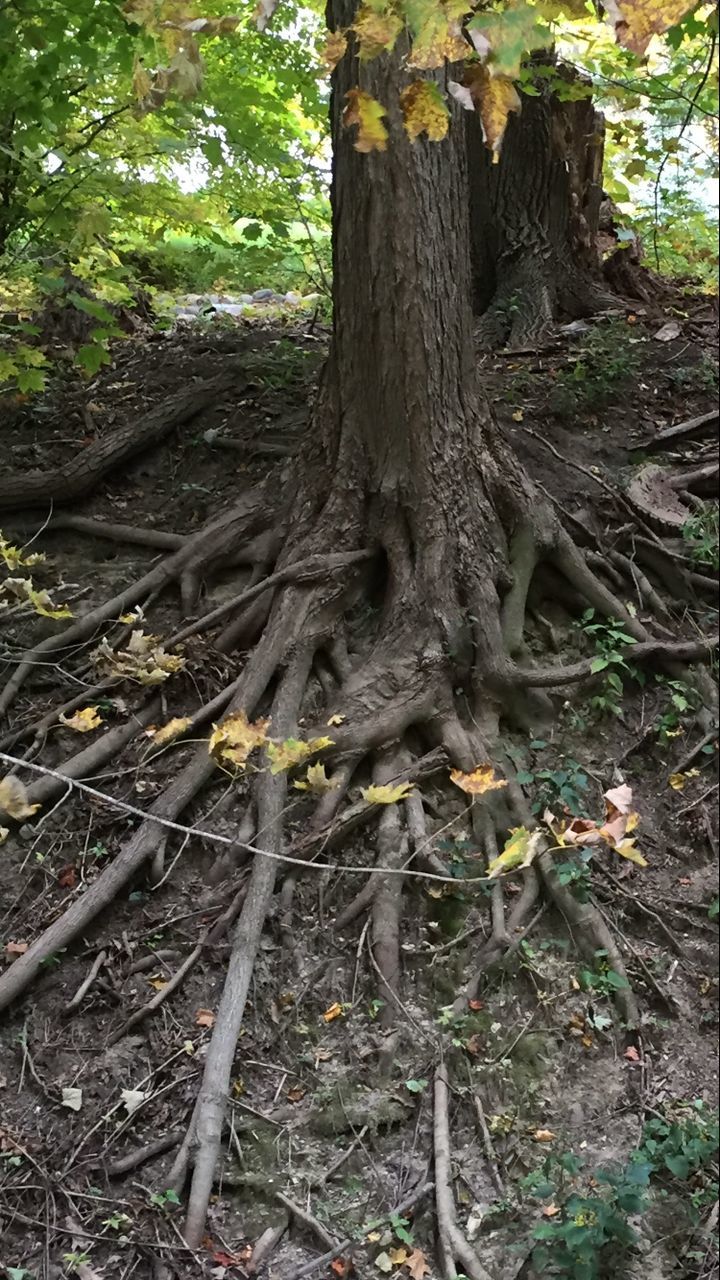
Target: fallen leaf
204	1018
676	780
157	982
168	731
67	877
336	719
4	833
551	1210
16	948
383	1262
475	1005
543	1135
341	1266
82	721
316	781
631	1054
519	852
398	1256
495	97
481	779
628	849
417	1265
296	1094
620	798
284	755
365	112
235	738
518	415
13	799
387	794
668	332
333	1012
72	1098
132	1099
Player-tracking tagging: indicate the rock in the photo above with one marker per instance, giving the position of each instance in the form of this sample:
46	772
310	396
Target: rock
293	297
310	298
262	295
246	297
186	315
230	308
191	299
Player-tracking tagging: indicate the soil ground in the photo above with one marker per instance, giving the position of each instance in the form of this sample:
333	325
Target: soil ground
537	1047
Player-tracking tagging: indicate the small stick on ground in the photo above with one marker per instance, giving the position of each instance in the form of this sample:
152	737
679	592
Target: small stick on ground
453	1244
307	1219
87	982
348	1246
125	1164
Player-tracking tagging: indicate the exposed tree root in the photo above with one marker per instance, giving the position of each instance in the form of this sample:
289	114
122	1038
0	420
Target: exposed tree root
453	1245
80	475
209	1114
96	755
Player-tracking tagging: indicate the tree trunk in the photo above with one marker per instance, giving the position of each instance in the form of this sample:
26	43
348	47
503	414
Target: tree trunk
535	215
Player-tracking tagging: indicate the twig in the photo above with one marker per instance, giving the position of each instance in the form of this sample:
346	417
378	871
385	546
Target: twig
87	982
490	1155
308	1219
682	765
142	1154
345	1155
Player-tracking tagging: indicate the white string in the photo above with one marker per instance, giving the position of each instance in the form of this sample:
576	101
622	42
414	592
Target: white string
228	840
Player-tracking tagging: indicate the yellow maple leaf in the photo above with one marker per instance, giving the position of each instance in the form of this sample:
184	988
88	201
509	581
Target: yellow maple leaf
334	48
376	31
398	1256
157	982
437	37
387	794
424	111
336	719
13	799
82	721
637	21
284	755
481	779
543	1135
367	113
519	851
677	780
169	731
141	81
628	849
316	780
235	738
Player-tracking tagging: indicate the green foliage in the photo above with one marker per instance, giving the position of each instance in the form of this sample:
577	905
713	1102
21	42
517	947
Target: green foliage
701	533
592	1237
608	641
605	363
681	699
702	376
588	1234
562	786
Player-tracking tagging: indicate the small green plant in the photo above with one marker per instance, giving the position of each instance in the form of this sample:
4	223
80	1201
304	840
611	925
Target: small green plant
701	533
701	376
608	640
681	699
682	1148
74	1261
562	786
591	1236
416	1086
165	1200
575	874
606	361
602	980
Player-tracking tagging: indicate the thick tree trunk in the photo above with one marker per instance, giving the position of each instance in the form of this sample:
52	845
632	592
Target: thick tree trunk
535	216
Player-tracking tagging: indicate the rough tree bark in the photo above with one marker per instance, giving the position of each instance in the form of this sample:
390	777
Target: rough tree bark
535	215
